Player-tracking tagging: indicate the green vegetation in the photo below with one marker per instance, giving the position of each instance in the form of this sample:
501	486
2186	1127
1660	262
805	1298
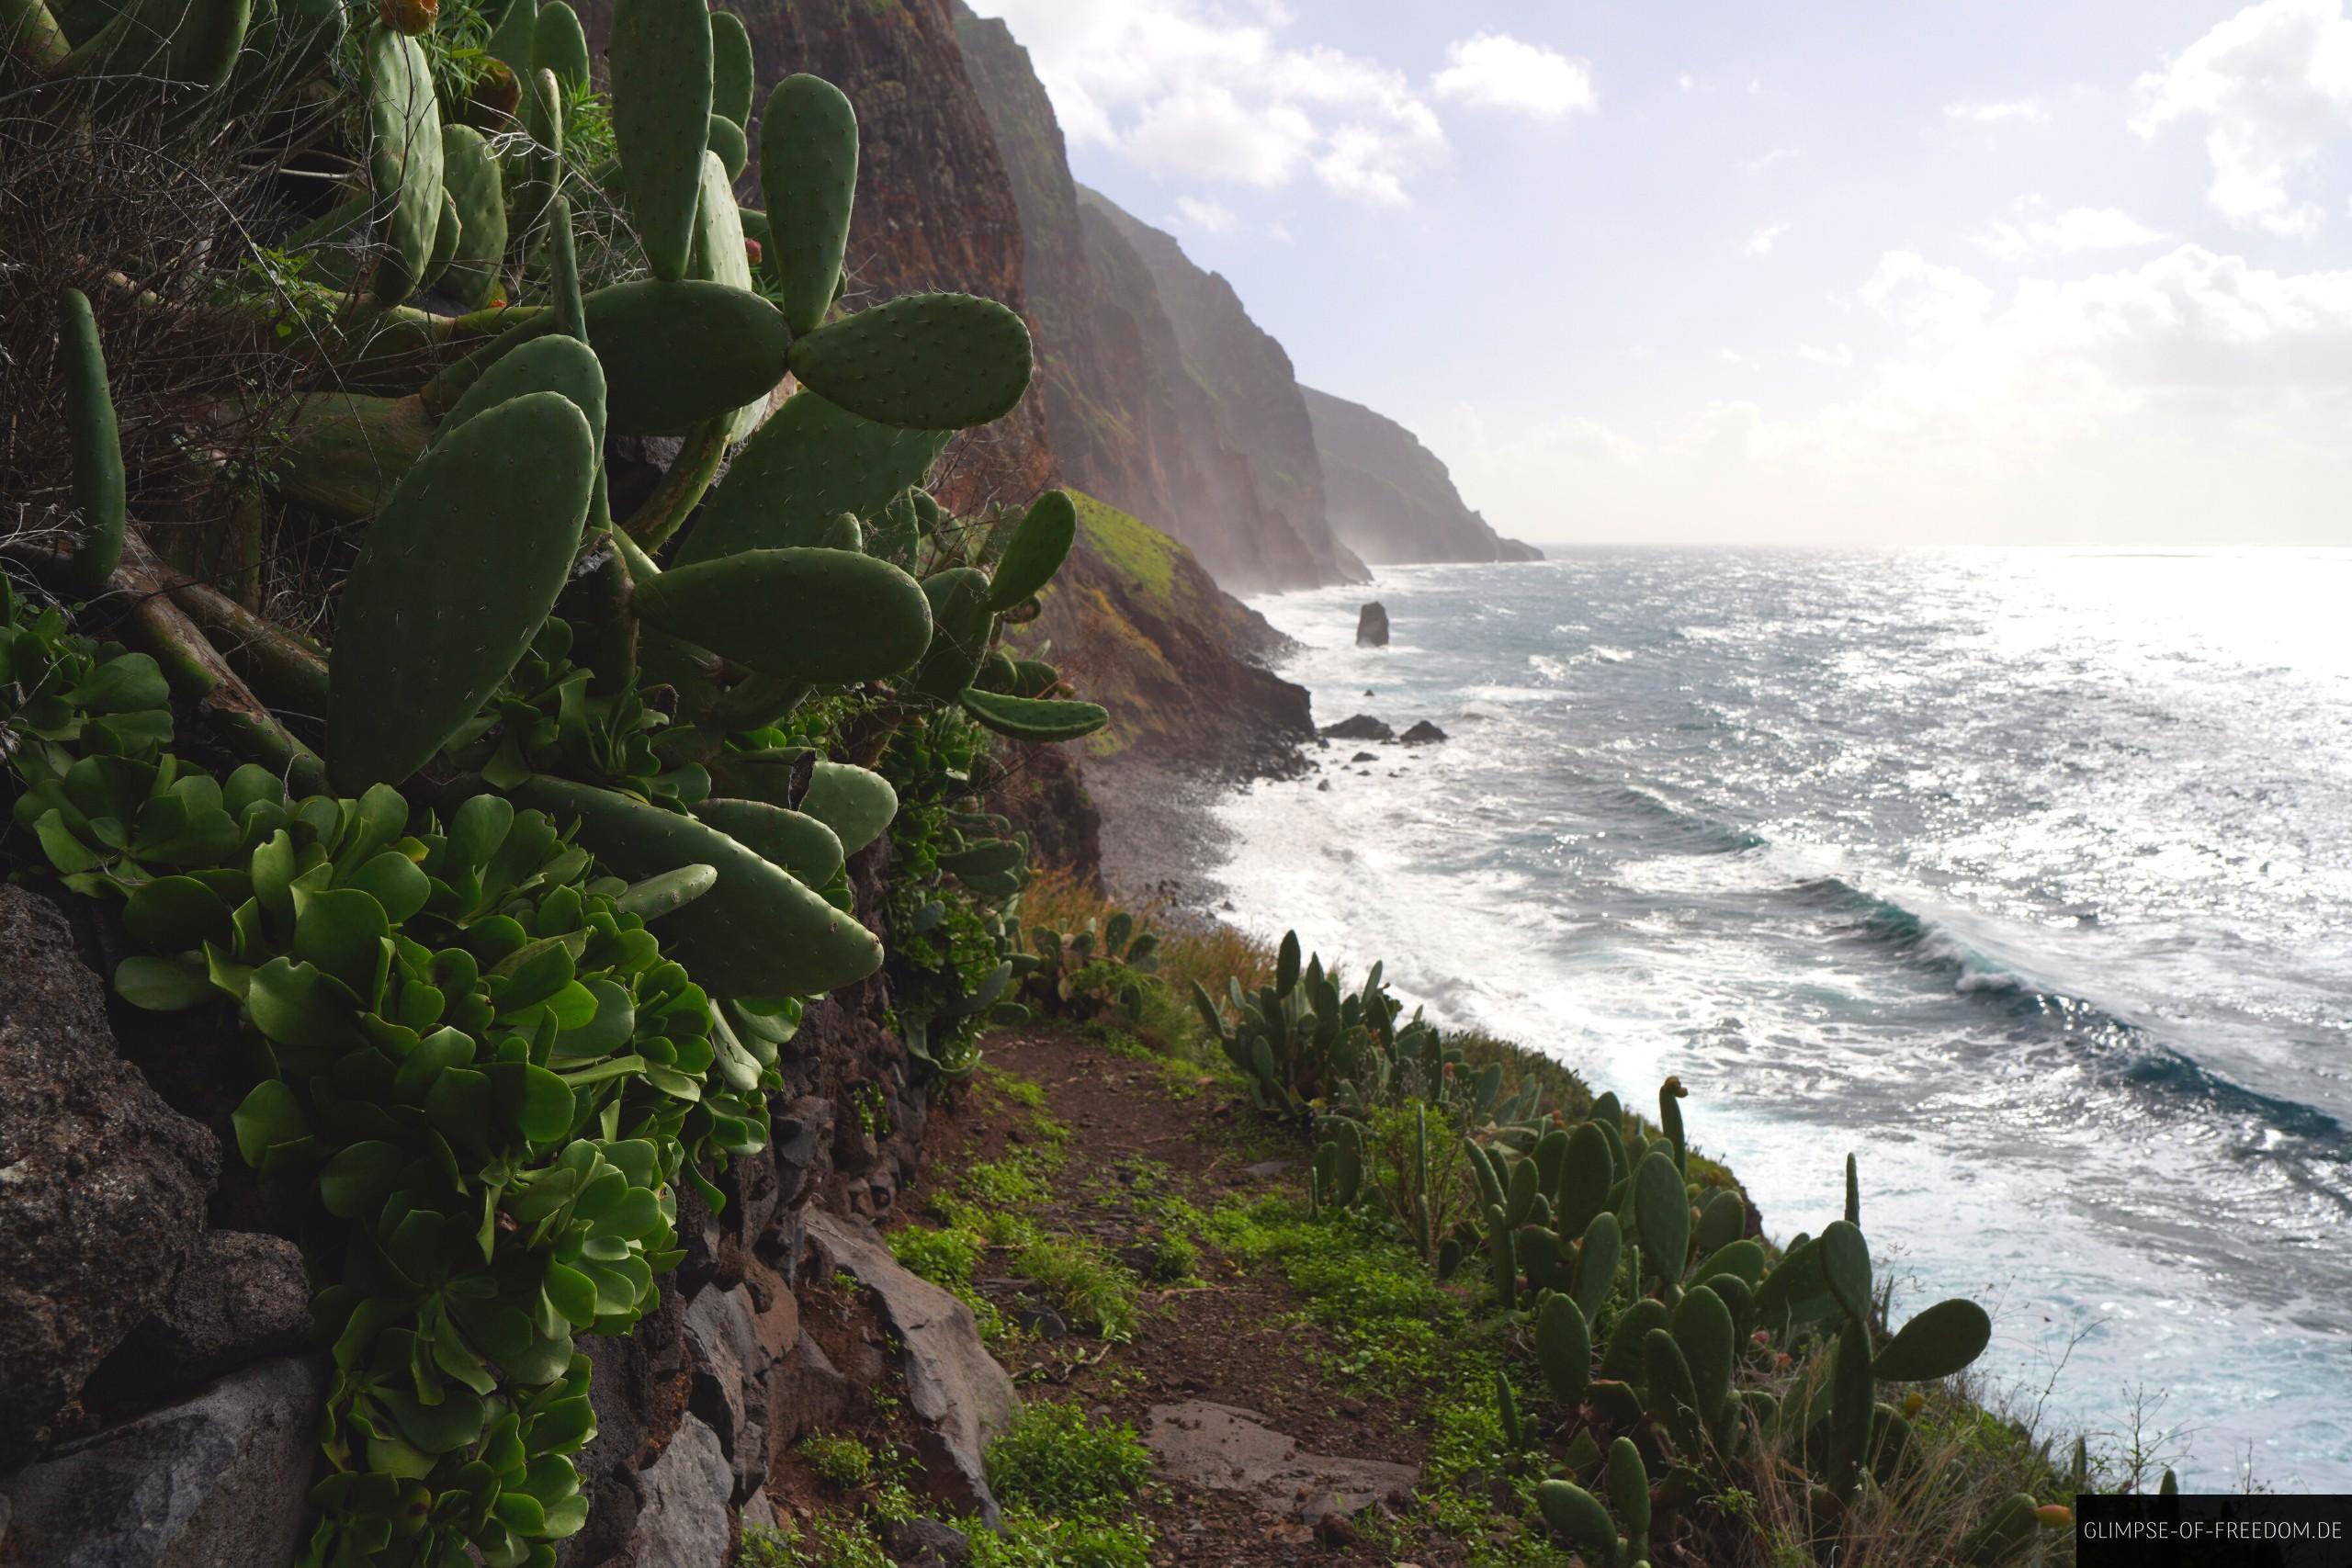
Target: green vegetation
993	1205
516	932
516	882
1137	553
841	1460
1056	1460
1063	1480
1545	1275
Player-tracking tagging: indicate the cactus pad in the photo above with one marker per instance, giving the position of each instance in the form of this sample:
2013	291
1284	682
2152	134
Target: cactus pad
922	362
403	158
661	61
730	68
1661	1214
727	144
855	803
543	364
718	258
960	626
560	45
469	175
812	615
1037	548
1846	1264
1031	719
758	933
809	178
1575	1515
1939	1342
677	353
97	444
806	465
799	843
452	582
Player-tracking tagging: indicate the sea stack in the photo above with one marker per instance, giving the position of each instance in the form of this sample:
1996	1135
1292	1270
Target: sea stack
1372	626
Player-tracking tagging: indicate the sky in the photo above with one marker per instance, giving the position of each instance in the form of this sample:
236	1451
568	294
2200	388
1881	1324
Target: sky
2055	272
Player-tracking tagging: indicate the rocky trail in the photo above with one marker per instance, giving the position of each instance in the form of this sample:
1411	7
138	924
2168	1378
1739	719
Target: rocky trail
1263	1454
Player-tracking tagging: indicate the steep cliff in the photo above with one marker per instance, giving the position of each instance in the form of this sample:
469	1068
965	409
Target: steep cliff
1136	624
1387	495
1132	422
1239	385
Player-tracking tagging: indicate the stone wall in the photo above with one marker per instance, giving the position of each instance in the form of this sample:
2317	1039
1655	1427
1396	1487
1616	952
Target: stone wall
158	1396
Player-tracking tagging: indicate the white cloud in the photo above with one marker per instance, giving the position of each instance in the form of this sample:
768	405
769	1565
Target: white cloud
2021	111
1688	83
1733	356
1218	93
1279	233
2074	230
1496	70
1213	217
1838	358
2142	402
1930	304
2271	84
1765	160
1760	243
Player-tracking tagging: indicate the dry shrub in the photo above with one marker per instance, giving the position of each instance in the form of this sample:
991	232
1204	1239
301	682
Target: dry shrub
1190	948
149	219
1968	1456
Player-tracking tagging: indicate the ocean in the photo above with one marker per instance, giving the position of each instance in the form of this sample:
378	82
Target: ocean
2025	876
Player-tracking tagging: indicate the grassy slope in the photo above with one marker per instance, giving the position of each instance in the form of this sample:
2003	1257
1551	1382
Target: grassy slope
1136	624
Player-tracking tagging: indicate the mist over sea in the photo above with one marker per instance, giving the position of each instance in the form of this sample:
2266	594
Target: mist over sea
2025	875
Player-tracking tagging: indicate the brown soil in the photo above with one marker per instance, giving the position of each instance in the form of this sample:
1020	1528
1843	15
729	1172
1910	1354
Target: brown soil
1236	1340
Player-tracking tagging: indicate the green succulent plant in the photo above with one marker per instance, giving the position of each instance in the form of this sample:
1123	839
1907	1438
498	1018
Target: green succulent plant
1103	966
475	1053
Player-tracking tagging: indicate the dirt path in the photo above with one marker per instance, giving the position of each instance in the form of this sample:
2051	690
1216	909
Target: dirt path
1235	1338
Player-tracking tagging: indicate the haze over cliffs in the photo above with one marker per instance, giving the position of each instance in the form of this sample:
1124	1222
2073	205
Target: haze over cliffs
1389	497
1164	398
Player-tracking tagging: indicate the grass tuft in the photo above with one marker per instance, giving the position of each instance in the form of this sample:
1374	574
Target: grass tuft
1056	1458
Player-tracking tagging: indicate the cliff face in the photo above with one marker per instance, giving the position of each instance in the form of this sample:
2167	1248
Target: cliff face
1389	498
1087	366
1239	403
1132	416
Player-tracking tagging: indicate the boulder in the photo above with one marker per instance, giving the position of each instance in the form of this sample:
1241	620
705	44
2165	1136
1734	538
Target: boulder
731	1380
1423	734
1363	727
1222	1449
926	1544
681	1517
1372	626
956	1389
102	1185
642	1381
218	1482
241	1297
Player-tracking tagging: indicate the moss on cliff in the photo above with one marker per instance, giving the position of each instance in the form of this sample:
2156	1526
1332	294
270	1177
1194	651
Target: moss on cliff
1141	553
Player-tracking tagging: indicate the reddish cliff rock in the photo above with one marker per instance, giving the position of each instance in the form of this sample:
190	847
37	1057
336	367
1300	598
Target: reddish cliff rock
1230	473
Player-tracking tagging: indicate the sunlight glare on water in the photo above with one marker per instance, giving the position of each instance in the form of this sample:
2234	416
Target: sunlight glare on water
2025	875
